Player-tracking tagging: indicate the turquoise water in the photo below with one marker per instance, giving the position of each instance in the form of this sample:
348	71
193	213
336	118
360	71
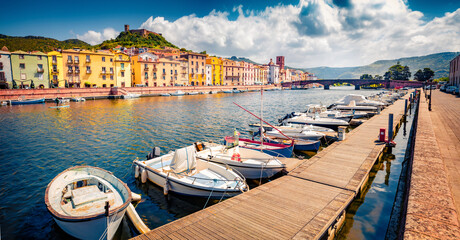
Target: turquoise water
38	142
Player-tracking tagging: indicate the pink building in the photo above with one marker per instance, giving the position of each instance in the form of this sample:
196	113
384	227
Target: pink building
454	71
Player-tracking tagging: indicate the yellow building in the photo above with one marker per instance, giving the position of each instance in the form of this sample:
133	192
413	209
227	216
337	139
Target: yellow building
196	67
123	76
56	69
144	68
217	70
88	69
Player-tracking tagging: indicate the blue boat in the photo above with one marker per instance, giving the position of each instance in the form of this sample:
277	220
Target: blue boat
27	101
299	145
273	149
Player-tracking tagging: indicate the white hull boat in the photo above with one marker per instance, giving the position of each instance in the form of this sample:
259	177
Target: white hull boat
166	95
183	173
359	100
77	198
352	106
303	134
252	164
131	95
322	122
192	93
78	99
178	93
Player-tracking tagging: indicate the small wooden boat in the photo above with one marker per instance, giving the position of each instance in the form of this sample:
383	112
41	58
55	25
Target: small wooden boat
252	164
183	173
87	202
27	101
277	150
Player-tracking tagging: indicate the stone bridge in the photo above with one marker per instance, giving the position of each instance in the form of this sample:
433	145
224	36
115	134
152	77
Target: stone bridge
357	83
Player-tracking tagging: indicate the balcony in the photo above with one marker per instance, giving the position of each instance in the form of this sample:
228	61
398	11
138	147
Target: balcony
74	81
77	71
122	69
76	61
40	70
70	71
88	71
55	71
146	68
103	72
54	61
88	60
111	72
69	61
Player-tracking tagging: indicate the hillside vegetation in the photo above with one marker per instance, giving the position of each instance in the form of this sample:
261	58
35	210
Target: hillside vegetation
438	62
35	43
128	39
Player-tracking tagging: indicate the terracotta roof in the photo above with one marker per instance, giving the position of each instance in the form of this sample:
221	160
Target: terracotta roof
5	52
19	52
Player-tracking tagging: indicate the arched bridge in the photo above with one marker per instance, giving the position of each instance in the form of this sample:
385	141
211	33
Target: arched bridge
356	82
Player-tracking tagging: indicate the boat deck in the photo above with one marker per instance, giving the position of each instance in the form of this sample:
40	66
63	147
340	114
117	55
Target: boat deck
308	203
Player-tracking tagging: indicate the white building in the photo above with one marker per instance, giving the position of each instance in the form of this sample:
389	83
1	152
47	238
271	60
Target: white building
273	73
6	77
208	72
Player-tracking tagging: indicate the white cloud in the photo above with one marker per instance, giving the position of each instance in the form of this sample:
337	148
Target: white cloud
316	32
93	37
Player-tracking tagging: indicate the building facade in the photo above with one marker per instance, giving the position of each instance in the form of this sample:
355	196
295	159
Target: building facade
56	69
454	71
144	67
168	70
123	74
30	69
196	68
233	72
217	70
273	73
6	76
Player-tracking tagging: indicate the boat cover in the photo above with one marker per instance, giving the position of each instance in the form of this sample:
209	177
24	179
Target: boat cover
184	160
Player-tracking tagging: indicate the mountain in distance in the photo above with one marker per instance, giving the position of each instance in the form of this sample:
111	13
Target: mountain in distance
36	43
438	62
241	59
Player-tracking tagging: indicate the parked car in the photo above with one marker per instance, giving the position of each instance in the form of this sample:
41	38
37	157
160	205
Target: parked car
443	88
456	91
451	89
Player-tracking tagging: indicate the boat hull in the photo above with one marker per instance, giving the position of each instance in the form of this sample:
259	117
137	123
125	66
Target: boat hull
320	124
32	101
254	172
277	150
91	228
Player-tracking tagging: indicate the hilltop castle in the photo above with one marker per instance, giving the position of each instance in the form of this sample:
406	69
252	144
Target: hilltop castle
141	32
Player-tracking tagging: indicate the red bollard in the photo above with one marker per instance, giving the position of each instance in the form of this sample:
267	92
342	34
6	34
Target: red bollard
382	135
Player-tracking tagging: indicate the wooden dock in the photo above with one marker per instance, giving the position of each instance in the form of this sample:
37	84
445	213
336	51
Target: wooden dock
308	203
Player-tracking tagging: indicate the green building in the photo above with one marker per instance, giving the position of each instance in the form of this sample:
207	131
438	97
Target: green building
30	68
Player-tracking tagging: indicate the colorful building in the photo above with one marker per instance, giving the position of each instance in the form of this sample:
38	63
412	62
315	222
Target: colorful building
56	69
183	72
123	73
233	73
168	70
196	67
273	73
217	70
144	67
30	69
6	76
454	72
208	71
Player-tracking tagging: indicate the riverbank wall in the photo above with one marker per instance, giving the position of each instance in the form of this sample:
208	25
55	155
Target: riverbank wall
104	93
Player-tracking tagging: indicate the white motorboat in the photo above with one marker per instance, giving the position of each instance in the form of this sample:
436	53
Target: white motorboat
227	91
300	134
178	93
183	173
213	92
61	100
192	93
318	121
131	95
77	199
314	110
352	106
165	94
78	99
359	100
252	164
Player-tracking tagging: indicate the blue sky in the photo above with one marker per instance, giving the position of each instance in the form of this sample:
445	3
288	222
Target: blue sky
315	23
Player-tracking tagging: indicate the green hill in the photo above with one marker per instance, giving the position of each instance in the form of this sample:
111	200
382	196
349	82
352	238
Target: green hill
35	43
438	62
240	59
128	39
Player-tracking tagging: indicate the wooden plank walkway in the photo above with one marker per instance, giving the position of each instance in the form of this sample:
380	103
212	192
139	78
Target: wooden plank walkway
304	204
434	200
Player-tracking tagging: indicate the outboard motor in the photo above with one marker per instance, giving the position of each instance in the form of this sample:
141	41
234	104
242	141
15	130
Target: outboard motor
155	153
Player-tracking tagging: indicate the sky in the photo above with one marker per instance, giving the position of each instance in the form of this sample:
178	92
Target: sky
309	33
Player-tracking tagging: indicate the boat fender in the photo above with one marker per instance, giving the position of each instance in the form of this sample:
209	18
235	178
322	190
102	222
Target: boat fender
166	187
236	157
136	171
144	175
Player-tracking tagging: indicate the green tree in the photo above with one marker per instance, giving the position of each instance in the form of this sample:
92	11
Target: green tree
378	77
366	76
424	75
443	79
398	72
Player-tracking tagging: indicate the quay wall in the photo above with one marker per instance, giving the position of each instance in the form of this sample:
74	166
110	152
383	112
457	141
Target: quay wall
51	93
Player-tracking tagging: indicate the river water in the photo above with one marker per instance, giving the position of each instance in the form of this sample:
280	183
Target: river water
38	142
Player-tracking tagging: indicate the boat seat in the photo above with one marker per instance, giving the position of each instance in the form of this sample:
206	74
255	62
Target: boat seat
87	194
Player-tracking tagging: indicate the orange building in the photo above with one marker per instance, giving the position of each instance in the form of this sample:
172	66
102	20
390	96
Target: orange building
233	72
196	67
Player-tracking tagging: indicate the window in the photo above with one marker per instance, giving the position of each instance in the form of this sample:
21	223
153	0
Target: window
1	65
22	65
104	85
40	66
120	57
88	59
175	71
39	57
111	59
76	59
164	77
146	76
122	65
192	62
163	64
103	69
164	71
69	58
122	74
111	70
54	58
2	76
88	69
111	77
104	77
55	77
40	76
103	59
145	66
23	76
21	56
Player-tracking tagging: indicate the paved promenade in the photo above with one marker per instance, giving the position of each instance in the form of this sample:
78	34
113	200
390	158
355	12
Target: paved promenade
434	193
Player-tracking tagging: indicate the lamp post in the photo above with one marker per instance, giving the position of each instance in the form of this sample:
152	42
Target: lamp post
429	104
